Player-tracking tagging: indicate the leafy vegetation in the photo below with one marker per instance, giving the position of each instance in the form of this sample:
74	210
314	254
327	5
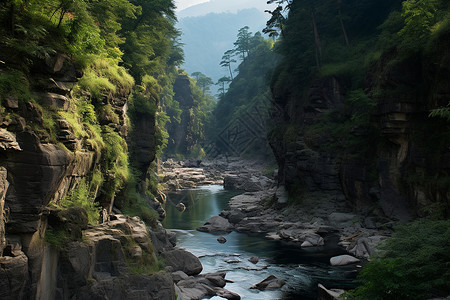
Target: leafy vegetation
413	264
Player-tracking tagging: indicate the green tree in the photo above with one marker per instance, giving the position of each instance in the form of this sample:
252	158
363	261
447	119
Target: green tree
227	59
222	83
243	42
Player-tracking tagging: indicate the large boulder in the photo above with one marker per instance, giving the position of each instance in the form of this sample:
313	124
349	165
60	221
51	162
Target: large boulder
325	294
13	277
343	260
216	225
181	260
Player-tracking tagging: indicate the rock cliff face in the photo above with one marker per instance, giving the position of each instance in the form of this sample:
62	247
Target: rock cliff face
402	168
39	164
179	132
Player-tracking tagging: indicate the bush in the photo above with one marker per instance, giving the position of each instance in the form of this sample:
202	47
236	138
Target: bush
413	264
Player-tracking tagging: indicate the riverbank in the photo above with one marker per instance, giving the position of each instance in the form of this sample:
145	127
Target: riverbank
265	208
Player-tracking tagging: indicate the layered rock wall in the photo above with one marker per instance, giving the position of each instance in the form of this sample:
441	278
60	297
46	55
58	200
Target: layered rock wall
401	171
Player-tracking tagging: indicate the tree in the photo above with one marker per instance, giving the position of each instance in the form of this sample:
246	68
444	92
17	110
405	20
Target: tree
242	44
227	59
202	81
277	20
221	83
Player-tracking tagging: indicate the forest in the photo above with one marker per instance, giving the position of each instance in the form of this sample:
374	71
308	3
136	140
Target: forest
335	106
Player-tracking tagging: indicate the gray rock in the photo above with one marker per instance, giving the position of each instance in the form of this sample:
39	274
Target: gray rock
270	283
342	219
179	275
180	207
222	240
226	294
182	260
216	225
326	294
13	277
343	260
253	260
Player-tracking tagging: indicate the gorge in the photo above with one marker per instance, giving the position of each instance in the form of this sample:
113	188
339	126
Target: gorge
331	137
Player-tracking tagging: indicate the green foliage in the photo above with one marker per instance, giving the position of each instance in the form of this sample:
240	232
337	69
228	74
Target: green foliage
413	264
14	84
83	196
443	112
57	238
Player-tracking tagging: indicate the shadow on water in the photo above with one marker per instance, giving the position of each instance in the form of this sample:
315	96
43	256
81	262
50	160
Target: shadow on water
301	268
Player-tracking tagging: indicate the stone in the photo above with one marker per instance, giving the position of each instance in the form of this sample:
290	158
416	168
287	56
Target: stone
55	101
226	294
182	260
221	240
326	294
254	259
216	225
282	195
235	216
343	260
11	102
341	219
3	213
180	207
216	279
8	141
270	283
179	275
14	277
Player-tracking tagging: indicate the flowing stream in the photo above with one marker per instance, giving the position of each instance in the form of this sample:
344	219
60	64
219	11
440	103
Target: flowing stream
302	269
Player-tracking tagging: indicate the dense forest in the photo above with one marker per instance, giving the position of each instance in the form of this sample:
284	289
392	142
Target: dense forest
349	99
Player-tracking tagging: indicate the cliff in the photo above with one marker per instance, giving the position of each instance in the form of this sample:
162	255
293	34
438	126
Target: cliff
376	147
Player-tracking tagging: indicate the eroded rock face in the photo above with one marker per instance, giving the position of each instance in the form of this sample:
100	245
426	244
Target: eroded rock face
3	214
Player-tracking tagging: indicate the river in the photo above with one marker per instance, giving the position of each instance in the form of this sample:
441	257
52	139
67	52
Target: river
302	269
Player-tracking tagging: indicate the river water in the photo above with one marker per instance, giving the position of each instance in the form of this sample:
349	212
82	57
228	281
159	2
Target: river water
302	269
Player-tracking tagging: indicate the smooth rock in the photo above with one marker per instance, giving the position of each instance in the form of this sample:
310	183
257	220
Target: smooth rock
326	294
222	240
216	225
343	260
270	283
182	260
254	259
180	207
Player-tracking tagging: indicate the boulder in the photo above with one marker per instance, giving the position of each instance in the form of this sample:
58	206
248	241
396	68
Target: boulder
216	225
270	283
326	294
342	220
221	240
178	276
181	260
14	277
180	207
226	294
343	260
253	259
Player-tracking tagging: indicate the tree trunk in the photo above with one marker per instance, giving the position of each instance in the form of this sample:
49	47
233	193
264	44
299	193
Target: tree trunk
316	40
343	29
231	74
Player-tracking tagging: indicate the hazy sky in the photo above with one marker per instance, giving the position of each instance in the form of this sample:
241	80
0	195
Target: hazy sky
182	4
218	6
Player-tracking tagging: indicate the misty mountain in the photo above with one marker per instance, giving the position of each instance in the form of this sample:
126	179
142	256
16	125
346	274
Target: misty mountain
207	37
220	6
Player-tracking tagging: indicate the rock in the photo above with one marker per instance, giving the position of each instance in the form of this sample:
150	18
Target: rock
364	247
3	213
180	207
216	225
235	216
8	141
13	277
235	182
222	240
325	294
216	279
270	283
282	195
179	275
223	293
253	259
342	219
55	101
343	260
182	260
11	102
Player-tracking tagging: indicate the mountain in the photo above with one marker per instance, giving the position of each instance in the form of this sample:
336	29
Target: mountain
220	6
207	37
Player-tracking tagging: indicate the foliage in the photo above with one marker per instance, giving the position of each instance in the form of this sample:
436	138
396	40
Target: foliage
58	238
84	196
14	84
413	264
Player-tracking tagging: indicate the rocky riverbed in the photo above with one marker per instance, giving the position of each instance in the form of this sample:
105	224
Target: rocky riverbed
265	208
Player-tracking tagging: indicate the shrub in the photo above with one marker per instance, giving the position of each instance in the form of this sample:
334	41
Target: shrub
413	264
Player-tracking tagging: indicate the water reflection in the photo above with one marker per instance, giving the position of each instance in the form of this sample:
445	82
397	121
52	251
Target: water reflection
302	269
